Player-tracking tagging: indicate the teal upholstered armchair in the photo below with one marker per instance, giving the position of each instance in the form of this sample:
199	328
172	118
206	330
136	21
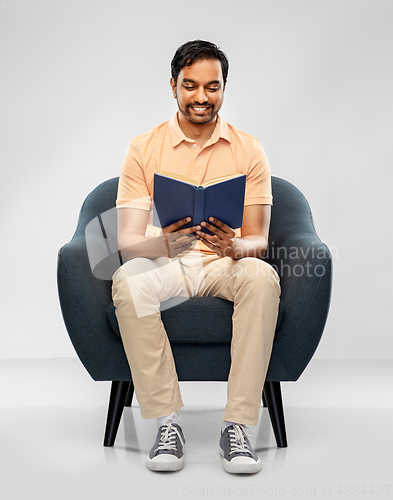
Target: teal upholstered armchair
85	267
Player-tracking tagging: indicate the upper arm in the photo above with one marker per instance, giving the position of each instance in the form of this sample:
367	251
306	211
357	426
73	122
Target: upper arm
256	221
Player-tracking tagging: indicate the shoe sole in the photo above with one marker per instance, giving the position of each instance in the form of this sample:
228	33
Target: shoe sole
240	466
162	464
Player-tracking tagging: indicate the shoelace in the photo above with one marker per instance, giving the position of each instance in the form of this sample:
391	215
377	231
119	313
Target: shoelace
237	442
168	437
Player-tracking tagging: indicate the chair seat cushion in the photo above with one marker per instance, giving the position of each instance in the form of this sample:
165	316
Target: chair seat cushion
190	312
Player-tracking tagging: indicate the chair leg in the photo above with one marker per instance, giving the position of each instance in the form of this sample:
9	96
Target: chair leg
264	404
117	399
272	392
130	394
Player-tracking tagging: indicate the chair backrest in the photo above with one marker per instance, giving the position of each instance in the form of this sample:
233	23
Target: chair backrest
290	212
98	222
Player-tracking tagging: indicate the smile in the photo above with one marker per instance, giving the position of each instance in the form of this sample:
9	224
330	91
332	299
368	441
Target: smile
200	109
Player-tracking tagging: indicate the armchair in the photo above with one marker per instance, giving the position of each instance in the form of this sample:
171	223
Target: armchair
85	267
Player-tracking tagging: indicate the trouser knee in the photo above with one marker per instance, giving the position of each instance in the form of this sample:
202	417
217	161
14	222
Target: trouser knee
258	274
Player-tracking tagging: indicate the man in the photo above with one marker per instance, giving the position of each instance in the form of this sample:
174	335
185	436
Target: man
183	262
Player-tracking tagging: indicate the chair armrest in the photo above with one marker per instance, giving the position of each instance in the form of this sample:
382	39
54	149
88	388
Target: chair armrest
84	300
304	264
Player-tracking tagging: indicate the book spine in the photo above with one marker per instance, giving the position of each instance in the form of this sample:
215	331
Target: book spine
199	205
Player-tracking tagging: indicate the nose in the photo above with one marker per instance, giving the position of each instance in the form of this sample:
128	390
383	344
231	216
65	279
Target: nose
200	95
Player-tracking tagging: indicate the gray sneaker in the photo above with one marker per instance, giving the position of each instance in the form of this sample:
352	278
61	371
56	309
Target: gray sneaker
237	452
167	453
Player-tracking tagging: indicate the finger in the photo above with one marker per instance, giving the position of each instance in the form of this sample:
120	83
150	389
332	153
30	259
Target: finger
186	239
180	249
216	249
177	225
205	237
211	228
179	237
177	248
189	230
224	227
210	241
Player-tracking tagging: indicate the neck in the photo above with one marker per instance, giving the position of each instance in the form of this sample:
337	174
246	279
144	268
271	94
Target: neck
199	133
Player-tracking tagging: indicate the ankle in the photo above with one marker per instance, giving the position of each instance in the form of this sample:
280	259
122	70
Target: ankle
175	417
226	424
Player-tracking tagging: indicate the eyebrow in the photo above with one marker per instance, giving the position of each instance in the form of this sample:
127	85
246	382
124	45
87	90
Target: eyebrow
188	80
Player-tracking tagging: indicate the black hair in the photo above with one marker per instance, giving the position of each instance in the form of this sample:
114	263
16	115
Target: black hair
190	52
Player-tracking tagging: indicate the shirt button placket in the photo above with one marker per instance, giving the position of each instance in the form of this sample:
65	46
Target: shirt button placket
194	146
199	167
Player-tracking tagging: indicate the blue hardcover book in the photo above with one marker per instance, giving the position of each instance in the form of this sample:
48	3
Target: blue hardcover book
176	197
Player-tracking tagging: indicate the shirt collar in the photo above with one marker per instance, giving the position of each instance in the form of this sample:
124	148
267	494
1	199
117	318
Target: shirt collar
221	131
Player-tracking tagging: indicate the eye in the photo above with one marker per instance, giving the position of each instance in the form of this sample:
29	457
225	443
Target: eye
213	89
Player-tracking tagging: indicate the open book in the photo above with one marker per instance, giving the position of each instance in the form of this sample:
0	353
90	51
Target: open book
177	196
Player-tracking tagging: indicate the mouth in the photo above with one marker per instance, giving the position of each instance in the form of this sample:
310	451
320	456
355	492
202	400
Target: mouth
199	110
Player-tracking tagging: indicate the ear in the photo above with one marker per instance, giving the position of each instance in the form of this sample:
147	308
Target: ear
173	85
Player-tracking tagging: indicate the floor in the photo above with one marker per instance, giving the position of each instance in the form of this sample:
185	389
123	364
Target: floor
52	416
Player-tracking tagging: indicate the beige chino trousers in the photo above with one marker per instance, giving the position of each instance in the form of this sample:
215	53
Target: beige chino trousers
141	285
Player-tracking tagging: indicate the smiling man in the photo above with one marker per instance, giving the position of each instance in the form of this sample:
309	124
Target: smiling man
174	261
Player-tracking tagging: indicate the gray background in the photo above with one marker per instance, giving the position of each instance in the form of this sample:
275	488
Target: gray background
311	79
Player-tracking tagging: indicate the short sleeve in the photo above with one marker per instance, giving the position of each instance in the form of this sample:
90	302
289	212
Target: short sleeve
133	191
258	184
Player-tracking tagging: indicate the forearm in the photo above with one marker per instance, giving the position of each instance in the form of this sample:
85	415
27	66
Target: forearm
135	245
248	246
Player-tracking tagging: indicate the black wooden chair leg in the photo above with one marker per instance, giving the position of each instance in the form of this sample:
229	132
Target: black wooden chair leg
117	399
130	394
264	399
272	392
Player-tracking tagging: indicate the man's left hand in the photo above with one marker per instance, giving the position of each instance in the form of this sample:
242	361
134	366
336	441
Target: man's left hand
222	239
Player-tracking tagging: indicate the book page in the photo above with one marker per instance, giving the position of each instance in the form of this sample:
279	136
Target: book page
179	177
189	180
220	179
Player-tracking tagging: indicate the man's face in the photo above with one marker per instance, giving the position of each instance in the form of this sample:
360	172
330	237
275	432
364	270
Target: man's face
200	91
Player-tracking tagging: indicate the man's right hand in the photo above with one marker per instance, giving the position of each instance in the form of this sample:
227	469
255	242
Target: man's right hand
133	243
176	239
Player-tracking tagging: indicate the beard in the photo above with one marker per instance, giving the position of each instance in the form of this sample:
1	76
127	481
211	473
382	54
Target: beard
199	119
